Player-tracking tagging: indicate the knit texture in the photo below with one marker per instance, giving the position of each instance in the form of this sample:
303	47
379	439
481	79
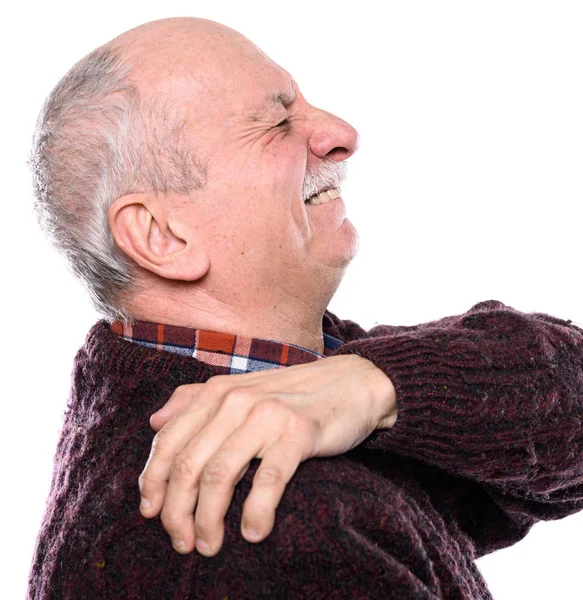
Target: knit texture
488	441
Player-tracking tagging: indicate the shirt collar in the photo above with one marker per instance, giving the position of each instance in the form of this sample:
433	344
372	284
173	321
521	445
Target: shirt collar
227	353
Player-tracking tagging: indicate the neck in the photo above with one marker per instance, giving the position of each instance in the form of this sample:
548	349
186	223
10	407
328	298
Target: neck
298	323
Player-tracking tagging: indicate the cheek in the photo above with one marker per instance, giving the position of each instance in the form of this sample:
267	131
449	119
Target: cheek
288	161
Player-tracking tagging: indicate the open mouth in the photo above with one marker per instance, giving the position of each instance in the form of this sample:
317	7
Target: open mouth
324	196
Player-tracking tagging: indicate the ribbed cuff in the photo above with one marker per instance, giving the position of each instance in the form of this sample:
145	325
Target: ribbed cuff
421	382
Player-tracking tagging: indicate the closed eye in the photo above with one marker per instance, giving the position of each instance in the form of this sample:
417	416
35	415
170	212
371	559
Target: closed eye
283	123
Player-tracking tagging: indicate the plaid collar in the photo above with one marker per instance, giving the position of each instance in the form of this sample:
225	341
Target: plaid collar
229	354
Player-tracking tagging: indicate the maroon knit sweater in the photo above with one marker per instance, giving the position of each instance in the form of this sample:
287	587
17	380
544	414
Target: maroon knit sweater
488	441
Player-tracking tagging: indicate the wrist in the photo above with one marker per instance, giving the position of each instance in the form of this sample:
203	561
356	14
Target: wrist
385	399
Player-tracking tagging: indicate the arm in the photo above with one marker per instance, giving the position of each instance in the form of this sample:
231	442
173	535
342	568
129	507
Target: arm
494	396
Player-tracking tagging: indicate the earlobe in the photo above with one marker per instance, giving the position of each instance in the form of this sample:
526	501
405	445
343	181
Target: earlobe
139	225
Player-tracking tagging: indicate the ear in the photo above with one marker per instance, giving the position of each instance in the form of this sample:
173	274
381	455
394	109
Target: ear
140	226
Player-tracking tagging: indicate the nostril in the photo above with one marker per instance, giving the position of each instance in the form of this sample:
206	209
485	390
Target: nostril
339	153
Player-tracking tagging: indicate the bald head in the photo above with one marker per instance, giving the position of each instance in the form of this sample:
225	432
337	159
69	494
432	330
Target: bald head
163	35
185	47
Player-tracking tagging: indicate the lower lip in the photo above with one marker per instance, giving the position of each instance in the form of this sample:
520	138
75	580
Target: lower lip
331	209
337	201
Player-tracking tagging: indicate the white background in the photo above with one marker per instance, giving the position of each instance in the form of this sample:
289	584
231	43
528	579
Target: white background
467	187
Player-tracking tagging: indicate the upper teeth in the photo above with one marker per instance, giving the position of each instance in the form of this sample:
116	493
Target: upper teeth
324	197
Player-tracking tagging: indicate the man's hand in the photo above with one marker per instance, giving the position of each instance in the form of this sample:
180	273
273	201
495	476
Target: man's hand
208	433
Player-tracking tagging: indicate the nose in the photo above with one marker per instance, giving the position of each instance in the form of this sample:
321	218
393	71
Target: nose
333	138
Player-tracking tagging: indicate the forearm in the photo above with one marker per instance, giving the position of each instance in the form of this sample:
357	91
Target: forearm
494	395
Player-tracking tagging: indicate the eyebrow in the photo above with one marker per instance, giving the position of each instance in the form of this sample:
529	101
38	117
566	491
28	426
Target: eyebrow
272	100
284	98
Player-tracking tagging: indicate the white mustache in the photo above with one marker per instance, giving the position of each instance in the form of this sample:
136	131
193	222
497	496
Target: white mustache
329	174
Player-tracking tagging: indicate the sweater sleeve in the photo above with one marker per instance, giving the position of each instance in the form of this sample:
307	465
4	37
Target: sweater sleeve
494	396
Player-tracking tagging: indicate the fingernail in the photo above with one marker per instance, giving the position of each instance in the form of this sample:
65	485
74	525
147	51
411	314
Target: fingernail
250	533
145	504
202	546
178	544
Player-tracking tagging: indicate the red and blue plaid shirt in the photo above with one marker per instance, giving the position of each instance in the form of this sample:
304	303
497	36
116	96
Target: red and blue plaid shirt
229	354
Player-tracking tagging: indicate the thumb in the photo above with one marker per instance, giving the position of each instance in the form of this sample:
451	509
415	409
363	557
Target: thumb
180	399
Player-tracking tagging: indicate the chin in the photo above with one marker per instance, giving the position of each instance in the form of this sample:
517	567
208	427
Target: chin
352	244
343	258
339	248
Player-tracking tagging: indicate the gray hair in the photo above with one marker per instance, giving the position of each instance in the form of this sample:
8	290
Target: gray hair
96	140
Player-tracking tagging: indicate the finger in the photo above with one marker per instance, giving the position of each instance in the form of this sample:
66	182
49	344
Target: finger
167	444
178	401
218	479
217	485
181	492
280	462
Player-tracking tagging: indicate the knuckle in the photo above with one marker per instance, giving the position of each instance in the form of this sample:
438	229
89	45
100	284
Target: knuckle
266	409
186	390
215	472
161	443
170	519
145	481
235	397
146	478
217	380
299	424
268	475
182	469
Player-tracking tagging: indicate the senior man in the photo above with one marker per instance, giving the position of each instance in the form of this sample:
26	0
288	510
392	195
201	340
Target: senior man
188	182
